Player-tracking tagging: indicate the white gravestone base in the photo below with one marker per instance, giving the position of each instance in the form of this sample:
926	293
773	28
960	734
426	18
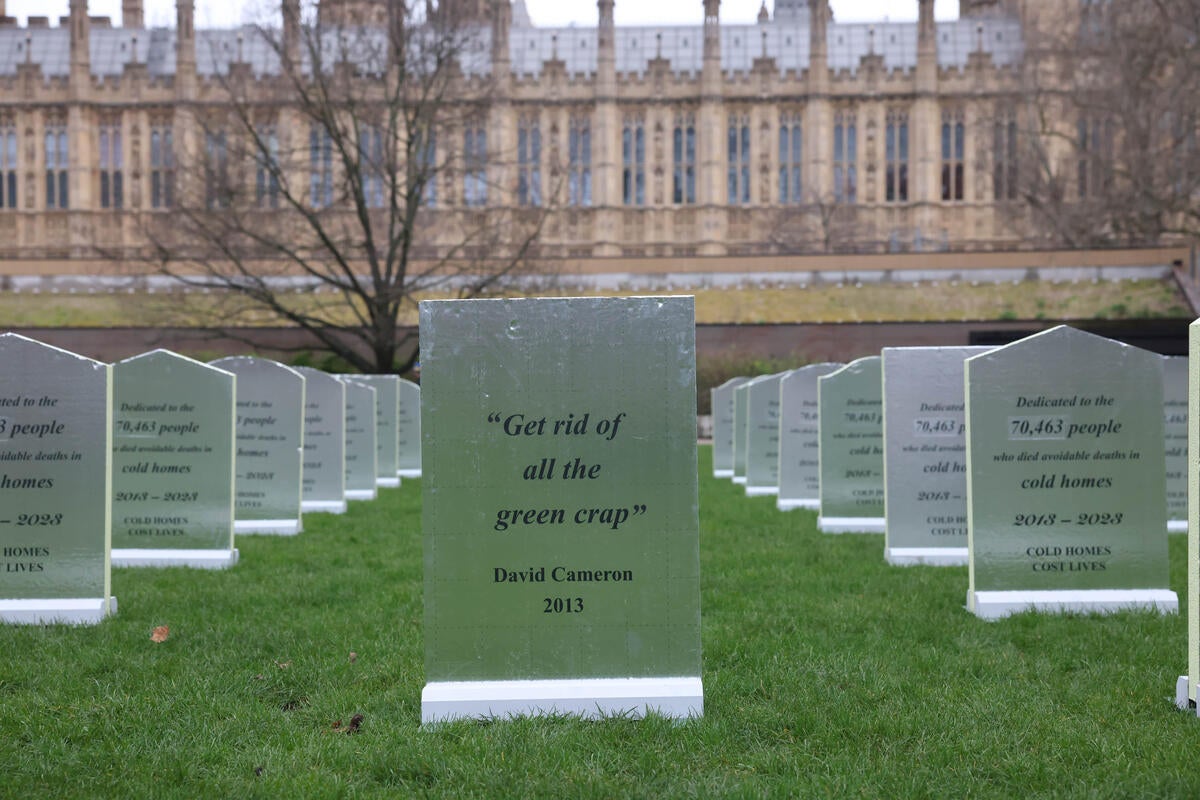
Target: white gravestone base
851	524
996	605
739	479
273	527
722	473
66	611
323	506
200	559
931	556
761	491
1182	702
388	483
1177	526
361	494
408	473
791	505
593	698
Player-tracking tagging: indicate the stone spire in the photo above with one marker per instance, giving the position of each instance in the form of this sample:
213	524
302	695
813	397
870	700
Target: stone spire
81	36
185	47
291	31
501	14
926	47
132	14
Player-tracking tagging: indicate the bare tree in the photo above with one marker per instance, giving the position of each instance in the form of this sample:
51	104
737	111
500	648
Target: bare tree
343	171
1109	103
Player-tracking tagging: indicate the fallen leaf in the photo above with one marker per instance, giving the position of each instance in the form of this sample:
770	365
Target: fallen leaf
353	656
284	665
355	723
160	634
337	724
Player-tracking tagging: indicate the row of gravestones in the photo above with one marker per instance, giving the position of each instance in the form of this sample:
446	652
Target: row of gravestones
1049	467
159	460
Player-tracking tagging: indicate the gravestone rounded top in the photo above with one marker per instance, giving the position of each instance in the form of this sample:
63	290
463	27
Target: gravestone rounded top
252	365
18	346
157	359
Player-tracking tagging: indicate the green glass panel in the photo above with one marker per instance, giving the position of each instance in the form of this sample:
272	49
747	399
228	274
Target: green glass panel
1175	419
1065	465
741	441
55	472
387	414
799	434
559	493
408	430
361	446
270	438
172	454
762	434
722	414
324	468
851	422
925	455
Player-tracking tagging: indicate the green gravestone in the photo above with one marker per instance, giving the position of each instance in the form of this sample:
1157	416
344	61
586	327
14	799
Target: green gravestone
1186	689
408	431
172	463
800	438
324	468
361	446
387	427
925	455
560	507
1175	421
851	453
55	485
762	436
741	440
270	445
1065	477
722	416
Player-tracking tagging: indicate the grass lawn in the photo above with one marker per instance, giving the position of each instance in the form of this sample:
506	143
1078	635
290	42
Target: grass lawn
826	673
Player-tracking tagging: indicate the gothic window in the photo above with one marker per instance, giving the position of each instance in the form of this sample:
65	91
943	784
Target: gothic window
790	159
475	165
529	162
684	183
217	189
8	165
845	158
266	168
739	160
1004	156
162	165
633	160
1094	151
111	165
426	173
579	169
371	164
896	157
320	167
953	146
57	162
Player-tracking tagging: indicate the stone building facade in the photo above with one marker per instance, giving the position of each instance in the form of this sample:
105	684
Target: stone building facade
797	134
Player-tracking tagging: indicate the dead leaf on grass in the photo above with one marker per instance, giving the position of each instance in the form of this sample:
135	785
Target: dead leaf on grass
284	664
353	656
160	634
355	723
